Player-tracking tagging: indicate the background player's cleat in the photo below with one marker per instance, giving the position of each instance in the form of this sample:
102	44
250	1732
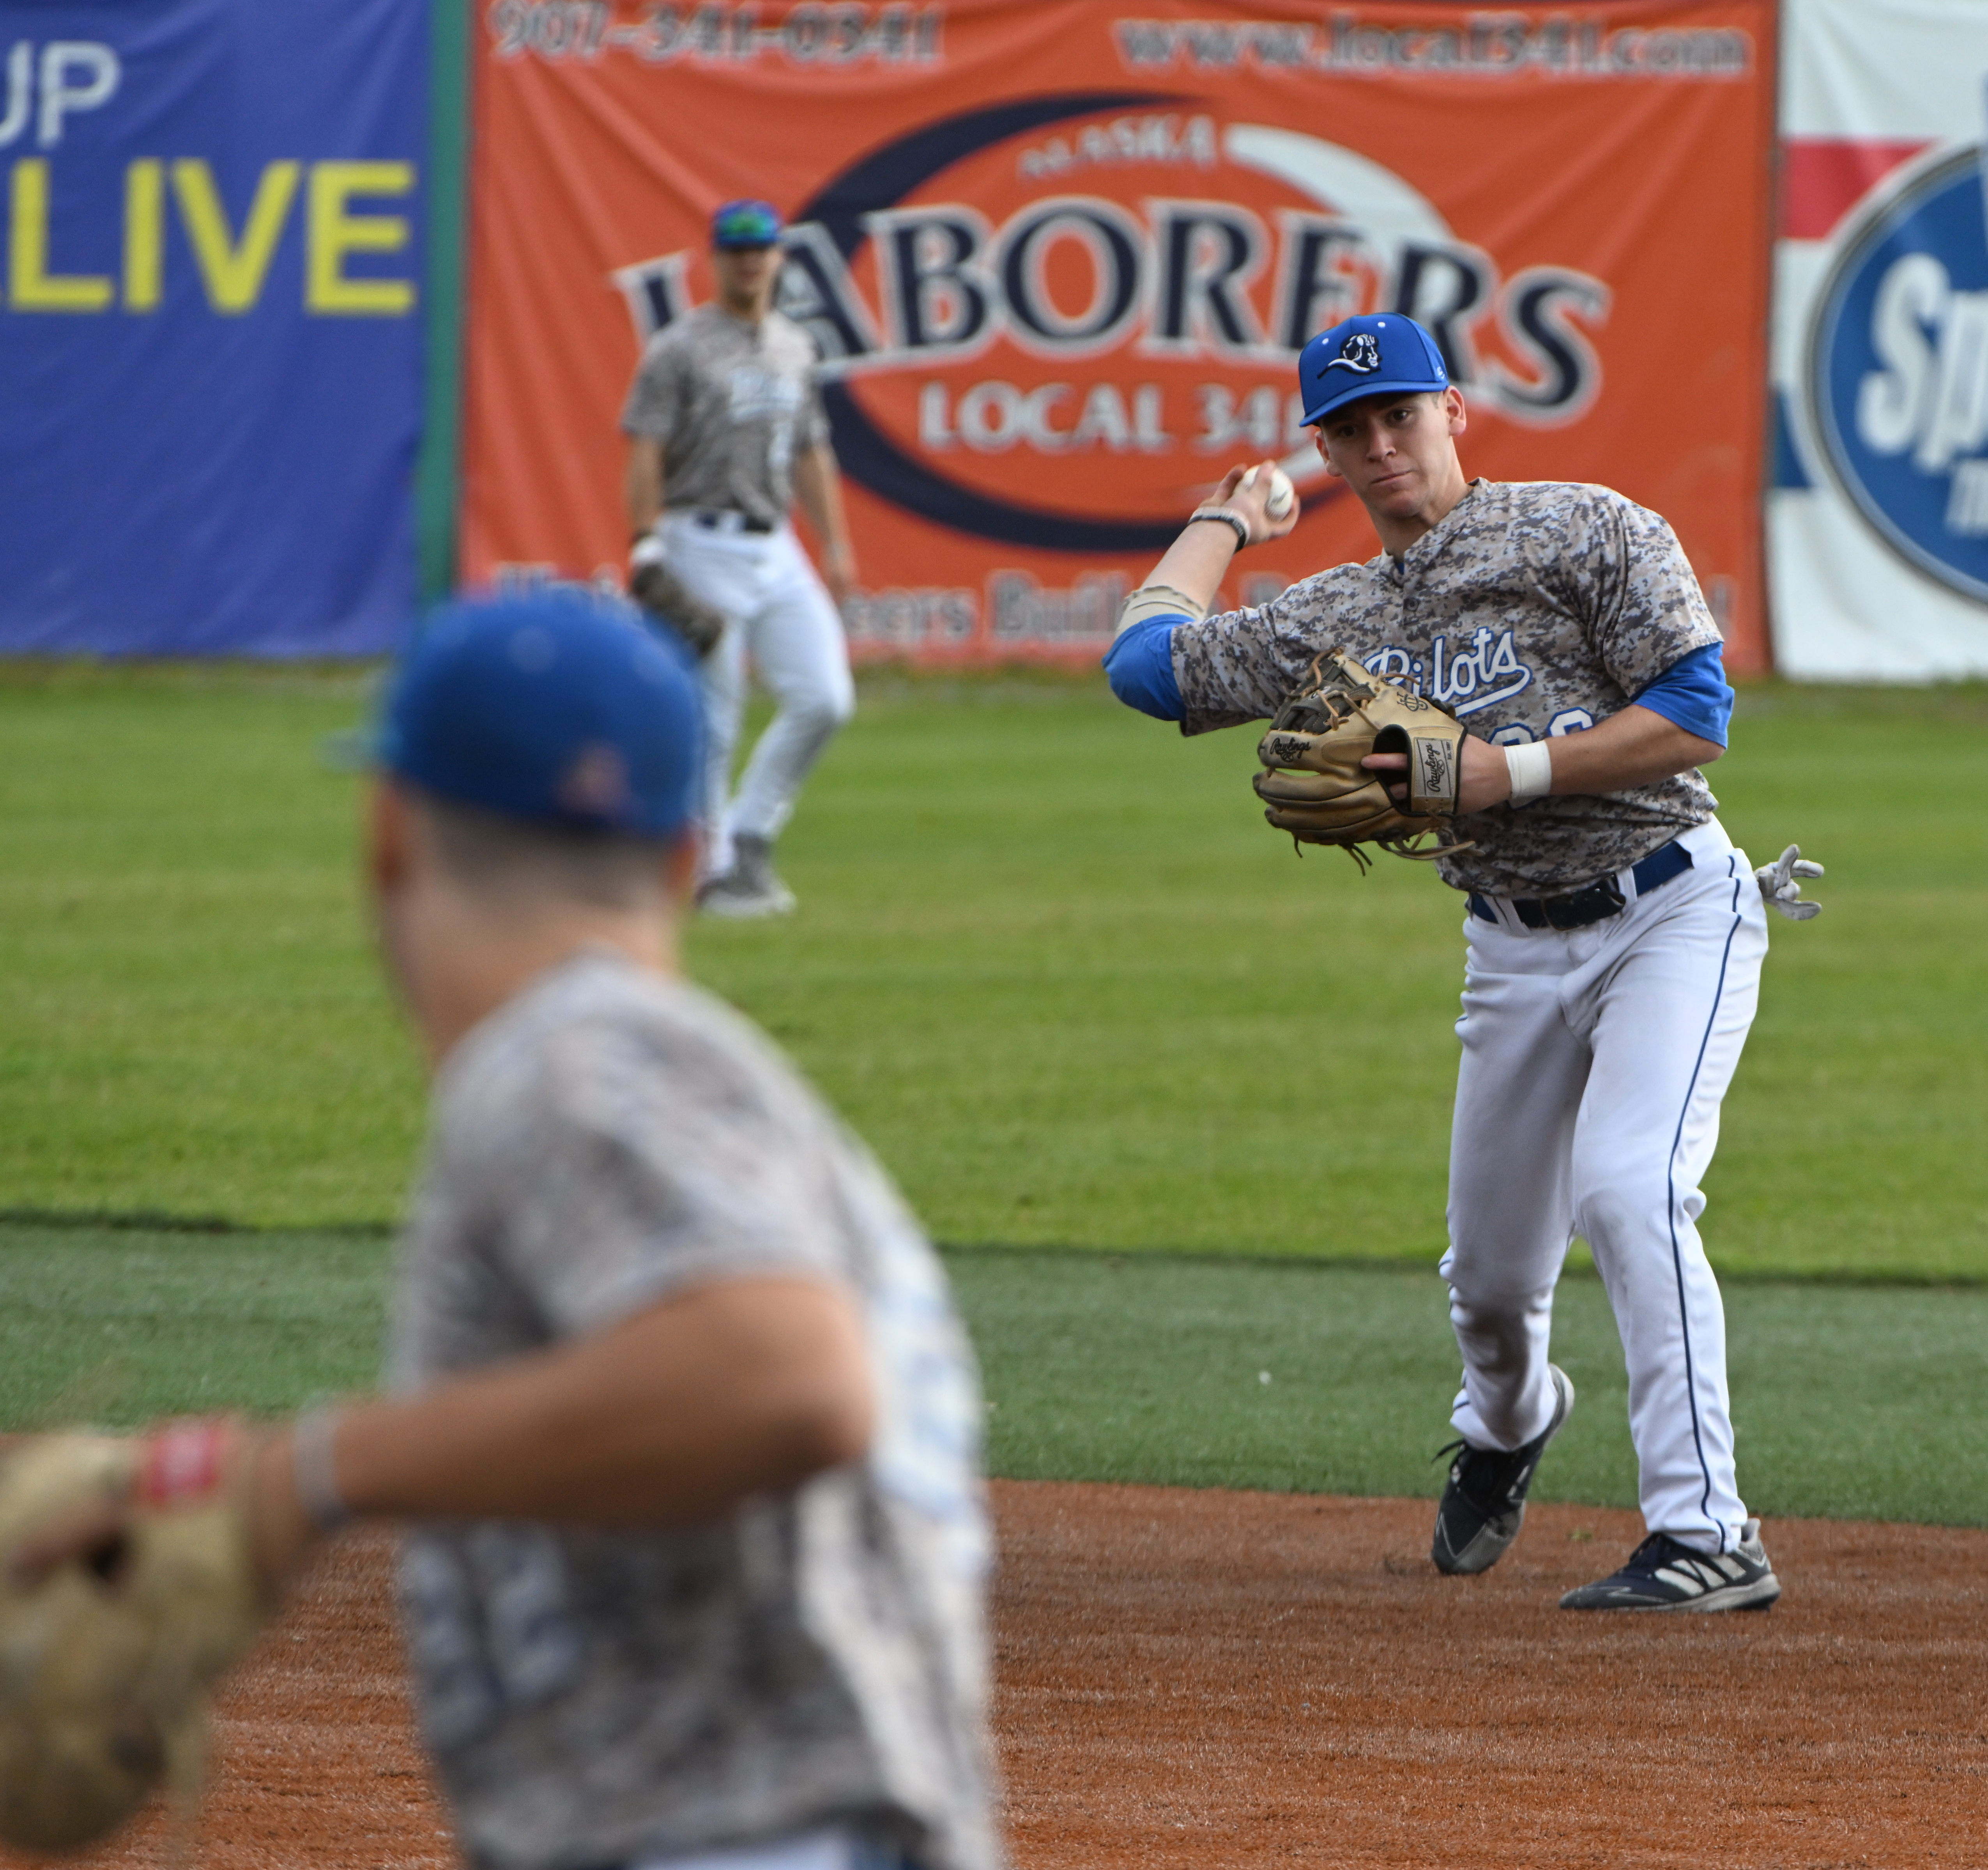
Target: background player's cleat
1662	1575
1484	1503
750	888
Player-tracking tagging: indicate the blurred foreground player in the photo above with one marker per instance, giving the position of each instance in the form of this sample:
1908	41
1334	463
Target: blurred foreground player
683	1422
724	432
1614	935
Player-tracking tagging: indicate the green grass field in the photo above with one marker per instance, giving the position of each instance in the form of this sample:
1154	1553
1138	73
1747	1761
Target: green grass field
1049	961
1052	965
1150	1367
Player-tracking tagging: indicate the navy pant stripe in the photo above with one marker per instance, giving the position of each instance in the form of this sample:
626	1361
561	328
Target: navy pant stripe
1677	1253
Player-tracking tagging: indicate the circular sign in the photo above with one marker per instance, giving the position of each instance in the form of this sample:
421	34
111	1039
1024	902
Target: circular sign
1062	317
1898	371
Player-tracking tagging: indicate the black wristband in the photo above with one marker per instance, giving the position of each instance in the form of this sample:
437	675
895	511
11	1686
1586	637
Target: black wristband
1228	518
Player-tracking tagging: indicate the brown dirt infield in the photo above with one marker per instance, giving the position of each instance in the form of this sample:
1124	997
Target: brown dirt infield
1158	1650
1210	1679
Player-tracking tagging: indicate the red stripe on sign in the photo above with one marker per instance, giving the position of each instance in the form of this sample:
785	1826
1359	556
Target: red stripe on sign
1824	178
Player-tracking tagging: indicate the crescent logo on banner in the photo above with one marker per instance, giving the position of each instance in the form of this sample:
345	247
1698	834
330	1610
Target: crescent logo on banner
1898	371
1059	263
1004	293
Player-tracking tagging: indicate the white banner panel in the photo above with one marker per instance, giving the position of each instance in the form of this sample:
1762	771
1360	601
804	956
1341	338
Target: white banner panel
1878	520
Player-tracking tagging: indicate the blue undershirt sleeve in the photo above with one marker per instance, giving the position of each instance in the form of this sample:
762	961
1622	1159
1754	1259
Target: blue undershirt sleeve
1691	694
1140	664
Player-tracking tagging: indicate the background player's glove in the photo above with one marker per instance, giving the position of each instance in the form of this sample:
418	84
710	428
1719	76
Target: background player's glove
666	600
1315	787
1780	885
105	1658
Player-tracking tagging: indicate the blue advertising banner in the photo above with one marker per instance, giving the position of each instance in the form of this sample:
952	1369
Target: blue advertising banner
210	325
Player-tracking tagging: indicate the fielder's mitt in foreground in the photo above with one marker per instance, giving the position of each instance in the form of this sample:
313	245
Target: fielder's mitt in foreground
1315	787
106	1659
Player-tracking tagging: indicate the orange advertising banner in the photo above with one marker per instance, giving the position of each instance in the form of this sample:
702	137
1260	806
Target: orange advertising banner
1059	260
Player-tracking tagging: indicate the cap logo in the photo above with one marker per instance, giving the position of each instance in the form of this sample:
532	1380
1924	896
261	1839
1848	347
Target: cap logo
596	785
1360	354
747	224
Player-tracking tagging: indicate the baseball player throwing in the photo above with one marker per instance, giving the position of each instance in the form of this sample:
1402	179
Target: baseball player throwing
683	1421
724	432
1614	934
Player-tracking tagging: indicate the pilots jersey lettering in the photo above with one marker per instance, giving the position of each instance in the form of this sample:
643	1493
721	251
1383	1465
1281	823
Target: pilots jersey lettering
1533	610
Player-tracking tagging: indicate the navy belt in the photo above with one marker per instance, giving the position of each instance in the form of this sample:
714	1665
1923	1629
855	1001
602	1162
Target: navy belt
1581	908
726	521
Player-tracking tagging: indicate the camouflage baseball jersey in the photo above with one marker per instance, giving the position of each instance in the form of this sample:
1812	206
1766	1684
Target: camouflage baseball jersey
731	406
604	1697
1534	608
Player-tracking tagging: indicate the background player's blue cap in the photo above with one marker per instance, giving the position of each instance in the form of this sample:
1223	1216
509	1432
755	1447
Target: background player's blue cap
557	707
745	224
1367	356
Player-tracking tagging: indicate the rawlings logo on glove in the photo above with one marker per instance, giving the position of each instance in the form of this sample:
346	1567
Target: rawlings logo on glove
1315	787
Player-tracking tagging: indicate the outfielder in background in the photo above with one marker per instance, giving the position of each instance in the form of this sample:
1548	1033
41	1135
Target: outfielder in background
724	432
685	1424
1614	934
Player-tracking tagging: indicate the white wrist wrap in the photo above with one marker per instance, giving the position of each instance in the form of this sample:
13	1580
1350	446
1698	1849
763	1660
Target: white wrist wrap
1530	765
311	1438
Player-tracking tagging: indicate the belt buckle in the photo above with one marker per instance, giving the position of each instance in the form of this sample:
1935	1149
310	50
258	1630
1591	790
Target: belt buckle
1584	907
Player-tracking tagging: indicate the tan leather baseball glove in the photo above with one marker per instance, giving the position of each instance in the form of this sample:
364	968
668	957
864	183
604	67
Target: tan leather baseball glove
1314	786
105	1662
670	604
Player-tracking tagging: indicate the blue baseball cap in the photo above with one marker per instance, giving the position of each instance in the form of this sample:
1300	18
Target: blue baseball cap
555	706
745	224
1368	357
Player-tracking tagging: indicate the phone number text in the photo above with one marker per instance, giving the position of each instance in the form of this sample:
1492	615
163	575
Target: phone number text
813	33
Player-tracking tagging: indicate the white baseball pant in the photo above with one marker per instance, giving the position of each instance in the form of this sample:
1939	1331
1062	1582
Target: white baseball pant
837	1847
783	619
1594	1060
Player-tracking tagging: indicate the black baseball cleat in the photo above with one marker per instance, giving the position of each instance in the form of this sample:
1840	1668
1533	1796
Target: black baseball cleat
1484	1503
1662	1575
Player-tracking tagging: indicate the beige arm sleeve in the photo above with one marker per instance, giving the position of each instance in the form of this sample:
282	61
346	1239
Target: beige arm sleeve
1156	601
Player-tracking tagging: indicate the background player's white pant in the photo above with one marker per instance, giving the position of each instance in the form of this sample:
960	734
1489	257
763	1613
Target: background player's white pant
1587	1102
785	621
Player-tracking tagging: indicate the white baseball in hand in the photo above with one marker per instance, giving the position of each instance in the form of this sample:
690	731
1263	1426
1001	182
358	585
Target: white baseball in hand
1283	495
